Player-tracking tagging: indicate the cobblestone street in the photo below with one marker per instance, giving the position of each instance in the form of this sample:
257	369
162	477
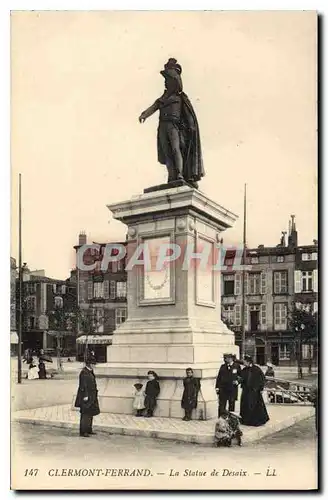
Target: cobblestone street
46	448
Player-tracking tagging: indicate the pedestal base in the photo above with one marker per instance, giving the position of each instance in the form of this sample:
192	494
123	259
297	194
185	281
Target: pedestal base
117	395
117	398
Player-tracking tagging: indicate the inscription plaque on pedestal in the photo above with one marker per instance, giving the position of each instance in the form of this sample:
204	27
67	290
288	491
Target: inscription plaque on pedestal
156	280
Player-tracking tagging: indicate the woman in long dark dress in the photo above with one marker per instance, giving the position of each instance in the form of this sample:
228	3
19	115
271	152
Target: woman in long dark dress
252	408
151	393
190	393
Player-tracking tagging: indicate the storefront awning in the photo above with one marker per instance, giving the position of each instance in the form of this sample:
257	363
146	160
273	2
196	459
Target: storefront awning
95	339
13	338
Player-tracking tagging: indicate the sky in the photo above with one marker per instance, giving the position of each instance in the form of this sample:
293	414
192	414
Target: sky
79	81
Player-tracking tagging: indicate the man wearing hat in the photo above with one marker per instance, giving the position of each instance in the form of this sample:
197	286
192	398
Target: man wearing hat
227	383
178	139
87	397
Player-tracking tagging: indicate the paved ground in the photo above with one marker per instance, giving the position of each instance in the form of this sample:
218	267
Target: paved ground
196	431
290	454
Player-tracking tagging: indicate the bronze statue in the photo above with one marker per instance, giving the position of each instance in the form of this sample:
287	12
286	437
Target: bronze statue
178	139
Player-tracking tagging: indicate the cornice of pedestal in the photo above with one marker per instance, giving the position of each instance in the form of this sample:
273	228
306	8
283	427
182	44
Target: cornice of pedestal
173	202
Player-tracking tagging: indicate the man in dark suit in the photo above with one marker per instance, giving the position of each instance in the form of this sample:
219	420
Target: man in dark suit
87	397
227	383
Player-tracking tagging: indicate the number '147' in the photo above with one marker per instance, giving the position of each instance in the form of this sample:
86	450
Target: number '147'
31	472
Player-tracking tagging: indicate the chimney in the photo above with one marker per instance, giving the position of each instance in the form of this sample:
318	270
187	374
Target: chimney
293	238
82	238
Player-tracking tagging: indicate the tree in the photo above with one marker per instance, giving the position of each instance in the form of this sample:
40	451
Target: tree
89	321
303	322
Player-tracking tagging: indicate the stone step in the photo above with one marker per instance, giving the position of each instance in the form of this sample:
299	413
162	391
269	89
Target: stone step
198	432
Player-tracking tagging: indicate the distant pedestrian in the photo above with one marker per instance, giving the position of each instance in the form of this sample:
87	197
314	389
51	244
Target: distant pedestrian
269	371
190	393
87	398
227	383
139	399
33	370
252	408
42	369
314	400
151	393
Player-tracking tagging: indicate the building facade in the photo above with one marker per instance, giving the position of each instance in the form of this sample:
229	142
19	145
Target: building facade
276	278
48	309
102	294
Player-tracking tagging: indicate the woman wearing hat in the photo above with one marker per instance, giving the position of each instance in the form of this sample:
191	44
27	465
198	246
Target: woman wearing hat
252	408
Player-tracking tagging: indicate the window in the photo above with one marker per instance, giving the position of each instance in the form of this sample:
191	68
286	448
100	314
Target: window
228	284
90	290
30	303
254	283
284	351
280	258
32	322
307	351
315	307
238	284
54	288
121	289
307	281
99	320
280	282
31	287
59	302
237	315
280	316
254	260
63	289
263	319
113	289
98	290
106	289
229	314
120	316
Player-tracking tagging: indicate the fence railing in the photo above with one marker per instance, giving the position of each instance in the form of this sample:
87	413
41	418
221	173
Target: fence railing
281	391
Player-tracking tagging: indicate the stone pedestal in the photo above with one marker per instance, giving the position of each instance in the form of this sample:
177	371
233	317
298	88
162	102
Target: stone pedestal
174	314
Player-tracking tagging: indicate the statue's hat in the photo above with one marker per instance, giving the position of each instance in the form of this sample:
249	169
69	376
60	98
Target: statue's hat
172	70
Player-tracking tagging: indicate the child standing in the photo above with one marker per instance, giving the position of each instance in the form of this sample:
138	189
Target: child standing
139	399
152	392
223	431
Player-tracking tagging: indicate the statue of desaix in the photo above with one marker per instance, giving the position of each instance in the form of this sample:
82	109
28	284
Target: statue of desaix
178	139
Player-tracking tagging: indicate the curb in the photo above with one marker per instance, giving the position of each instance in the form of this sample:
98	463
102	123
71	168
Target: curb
251	435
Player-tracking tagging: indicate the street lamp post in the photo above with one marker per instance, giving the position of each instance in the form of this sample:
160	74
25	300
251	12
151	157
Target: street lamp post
300	349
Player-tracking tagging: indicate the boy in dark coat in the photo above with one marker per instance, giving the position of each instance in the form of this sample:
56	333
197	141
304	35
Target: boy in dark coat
190	393
87	398
227	383
151	393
